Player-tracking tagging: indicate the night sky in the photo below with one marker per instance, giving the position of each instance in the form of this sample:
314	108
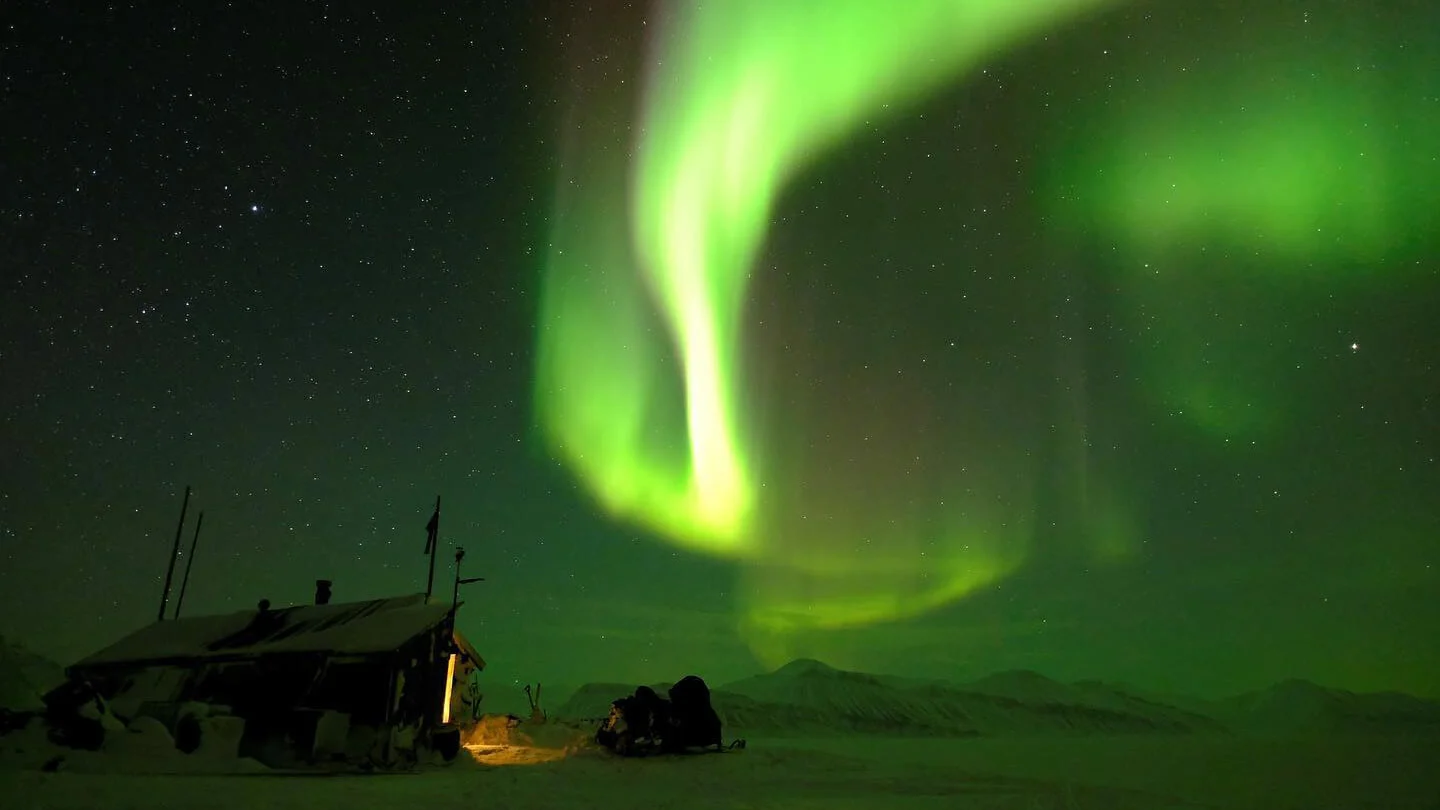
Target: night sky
1108	350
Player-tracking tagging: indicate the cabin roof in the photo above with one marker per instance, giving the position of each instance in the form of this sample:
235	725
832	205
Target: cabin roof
376	626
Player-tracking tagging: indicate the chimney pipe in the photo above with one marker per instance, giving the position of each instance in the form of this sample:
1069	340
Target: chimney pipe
322	591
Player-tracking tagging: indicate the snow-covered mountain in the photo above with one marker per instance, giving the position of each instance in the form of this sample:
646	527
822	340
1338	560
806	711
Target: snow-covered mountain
1005	703
1300	707
808	697
592	701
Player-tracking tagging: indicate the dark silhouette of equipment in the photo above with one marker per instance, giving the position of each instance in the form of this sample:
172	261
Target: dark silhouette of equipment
693	720
455	597
645	723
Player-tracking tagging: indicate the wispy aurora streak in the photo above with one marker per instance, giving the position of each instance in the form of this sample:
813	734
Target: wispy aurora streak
742	96
1274	172
1307	153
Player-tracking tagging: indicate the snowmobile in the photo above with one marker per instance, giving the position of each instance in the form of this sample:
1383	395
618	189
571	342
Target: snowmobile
645	723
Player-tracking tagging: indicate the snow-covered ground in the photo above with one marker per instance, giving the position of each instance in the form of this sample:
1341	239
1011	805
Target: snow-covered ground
1113	773
821	738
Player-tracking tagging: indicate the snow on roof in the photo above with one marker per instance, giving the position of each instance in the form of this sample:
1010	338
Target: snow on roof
375	626
25	676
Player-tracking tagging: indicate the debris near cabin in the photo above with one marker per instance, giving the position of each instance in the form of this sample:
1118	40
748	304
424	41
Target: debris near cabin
645	723
380	684
537	714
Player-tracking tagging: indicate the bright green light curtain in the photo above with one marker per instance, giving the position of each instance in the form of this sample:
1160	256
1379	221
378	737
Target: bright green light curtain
640	379
639	366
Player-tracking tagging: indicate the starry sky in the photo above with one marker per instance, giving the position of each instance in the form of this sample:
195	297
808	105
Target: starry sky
1100	342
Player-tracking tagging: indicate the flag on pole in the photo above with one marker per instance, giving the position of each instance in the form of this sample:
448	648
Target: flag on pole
432	529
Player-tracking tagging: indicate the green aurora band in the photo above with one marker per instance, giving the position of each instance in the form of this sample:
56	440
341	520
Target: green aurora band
640	375
1284	171
1309	153
749	93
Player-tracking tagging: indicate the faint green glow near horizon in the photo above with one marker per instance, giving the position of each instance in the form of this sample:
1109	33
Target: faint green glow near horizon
1320	168
1295	170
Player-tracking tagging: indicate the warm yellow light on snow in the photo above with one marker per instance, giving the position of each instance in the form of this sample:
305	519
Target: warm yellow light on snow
499	755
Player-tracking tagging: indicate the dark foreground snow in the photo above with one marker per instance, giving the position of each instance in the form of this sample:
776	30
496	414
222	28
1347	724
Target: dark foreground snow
1036	773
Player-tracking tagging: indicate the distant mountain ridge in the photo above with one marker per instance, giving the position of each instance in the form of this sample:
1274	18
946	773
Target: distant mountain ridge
1302	706
1011	702
810	697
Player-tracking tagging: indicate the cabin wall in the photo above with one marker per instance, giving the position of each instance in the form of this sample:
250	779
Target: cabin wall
355	686
129	690
295	708
310	707
420	692
465	694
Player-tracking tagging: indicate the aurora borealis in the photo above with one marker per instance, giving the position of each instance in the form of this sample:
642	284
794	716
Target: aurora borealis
742	96
1095	338
1300	152
1307	150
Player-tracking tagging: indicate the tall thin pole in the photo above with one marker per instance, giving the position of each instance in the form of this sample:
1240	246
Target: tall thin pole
455	597
432	545
189	563
174	552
